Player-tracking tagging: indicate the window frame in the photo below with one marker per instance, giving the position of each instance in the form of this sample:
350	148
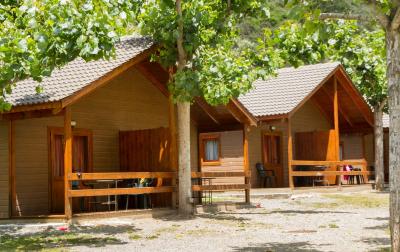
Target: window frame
209	136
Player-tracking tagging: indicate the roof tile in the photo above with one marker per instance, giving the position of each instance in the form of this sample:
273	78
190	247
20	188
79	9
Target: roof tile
76	75
281	94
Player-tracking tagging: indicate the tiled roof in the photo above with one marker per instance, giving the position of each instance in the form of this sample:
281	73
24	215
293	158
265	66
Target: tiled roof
385	120
76	75
281	94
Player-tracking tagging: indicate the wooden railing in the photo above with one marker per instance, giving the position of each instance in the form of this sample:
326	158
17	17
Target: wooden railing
354	162
118	176
197	175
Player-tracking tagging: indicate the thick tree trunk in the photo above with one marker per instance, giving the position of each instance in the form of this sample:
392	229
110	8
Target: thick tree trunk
393	74
185	181
379	164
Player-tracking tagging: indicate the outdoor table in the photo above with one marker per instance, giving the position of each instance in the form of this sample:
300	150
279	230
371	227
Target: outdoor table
110	183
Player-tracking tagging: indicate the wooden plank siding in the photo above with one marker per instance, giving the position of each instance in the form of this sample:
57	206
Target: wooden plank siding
231	158
148	151
4	176
129	102
307	118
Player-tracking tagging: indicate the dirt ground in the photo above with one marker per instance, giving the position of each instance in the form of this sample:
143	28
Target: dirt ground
312	221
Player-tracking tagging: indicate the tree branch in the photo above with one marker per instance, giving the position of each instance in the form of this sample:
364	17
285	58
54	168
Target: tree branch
382	19
324	16
396	20
382	104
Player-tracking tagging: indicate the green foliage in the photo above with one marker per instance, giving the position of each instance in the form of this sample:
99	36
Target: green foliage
217	67
38	36
359	47
362	53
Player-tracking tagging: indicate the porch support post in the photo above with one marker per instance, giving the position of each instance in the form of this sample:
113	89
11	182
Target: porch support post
290	152
173	147
336	123
67	162
247	171
336	118
11	169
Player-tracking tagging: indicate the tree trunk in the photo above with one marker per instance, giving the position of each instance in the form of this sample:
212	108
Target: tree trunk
185	180
379	164
393	74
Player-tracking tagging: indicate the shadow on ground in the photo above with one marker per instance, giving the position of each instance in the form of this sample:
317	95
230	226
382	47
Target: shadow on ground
222	216
277	246
52	238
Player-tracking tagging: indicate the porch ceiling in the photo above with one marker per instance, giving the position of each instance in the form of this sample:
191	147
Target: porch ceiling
354	113
206	117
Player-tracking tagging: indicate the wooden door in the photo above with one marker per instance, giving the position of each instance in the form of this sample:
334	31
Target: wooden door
81	162
272	155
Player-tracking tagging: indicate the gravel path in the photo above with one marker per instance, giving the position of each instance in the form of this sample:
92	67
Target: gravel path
305	222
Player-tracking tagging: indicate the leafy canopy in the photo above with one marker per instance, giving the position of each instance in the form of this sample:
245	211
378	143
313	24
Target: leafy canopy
303	38
38	36
217	67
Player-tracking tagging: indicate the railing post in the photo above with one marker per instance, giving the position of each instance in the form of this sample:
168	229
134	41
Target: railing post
67	162
247	178
290	153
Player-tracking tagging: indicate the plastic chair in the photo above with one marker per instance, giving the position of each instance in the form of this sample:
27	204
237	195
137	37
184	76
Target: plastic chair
138	183
263	174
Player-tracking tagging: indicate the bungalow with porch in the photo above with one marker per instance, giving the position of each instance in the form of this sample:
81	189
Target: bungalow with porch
99	132
300	113
102	135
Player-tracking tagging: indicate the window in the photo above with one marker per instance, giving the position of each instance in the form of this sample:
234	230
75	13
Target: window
210	149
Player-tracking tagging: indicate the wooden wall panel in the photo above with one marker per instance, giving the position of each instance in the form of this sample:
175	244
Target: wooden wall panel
309	118
369	150
147	151
316	145
31	162
353	146
231	157
386	154
4	180
255	149
129	102
194	147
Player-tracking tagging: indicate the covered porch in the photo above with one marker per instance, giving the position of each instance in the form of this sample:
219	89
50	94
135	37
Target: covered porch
320	157
108	145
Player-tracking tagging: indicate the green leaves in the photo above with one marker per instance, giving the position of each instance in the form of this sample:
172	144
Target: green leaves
217	67
38	36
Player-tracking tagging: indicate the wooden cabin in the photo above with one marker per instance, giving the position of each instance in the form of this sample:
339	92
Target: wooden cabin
103	130
95	133
299	114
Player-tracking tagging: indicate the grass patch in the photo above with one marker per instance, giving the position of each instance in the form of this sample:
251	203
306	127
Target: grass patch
359	201
169	229
199	232
52	240
135	237
333	225
364	201
152	237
